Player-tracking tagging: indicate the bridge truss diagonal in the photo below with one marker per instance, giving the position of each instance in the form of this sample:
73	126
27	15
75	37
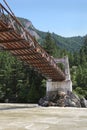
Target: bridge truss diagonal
17	40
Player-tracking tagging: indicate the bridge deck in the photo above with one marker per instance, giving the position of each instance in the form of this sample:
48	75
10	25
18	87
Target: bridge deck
14	38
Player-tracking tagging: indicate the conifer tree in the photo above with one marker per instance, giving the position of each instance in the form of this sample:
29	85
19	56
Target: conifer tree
49	44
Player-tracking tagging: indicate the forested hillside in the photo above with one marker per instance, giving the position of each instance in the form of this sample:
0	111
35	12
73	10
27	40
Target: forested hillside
20	83
78	65
70	43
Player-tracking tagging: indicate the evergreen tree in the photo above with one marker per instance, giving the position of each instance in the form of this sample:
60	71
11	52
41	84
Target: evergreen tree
49	44
17	81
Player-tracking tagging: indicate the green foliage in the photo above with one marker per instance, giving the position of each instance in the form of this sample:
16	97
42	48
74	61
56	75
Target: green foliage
81	92
49	44
79	70
81	76
71	44
18	83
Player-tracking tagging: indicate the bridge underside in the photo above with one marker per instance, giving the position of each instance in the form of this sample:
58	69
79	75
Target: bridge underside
15	39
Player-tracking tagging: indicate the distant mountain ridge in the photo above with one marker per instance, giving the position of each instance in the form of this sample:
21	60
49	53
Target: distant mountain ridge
70	43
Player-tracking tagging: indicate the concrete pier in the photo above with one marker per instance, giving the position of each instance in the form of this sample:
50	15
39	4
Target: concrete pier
65	85
58	86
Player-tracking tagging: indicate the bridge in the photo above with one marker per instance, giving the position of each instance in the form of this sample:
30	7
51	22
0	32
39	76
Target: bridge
17	40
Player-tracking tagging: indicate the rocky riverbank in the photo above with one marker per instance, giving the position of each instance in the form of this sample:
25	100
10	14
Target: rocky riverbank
63	99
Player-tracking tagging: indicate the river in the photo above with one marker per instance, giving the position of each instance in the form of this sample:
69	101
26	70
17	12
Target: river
33	117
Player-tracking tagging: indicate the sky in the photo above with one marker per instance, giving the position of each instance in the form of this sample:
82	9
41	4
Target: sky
64	17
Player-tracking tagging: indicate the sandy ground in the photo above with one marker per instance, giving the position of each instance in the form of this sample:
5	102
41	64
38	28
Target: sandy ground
32	117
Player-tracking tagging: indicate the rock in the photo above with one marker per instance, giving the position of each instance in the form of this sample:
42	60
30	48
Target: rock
61	99
74	99
52	104
41	101
45	103
60	103
83	102
52	96
69	103
61	94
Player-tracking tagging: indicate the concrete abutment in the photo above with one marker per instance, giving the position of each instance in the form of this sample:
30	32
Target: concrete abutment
63	86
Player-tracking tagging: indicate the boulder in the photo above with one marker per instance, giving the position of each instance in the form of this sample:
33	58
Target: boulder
60	99
83	102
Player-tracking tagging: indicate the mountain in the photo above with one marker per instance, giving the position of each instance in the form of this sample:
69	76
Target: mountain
29	26
72	44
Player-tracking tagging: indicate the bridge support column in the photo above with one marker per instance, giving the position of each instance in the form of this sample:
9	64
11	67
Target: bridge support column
64	86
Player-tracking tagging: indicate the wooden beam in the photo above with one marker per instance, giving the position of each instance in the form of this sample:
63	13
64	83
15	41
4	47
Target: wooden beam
6	30
11	41
35	59
15	49
41	64
32	58
26	54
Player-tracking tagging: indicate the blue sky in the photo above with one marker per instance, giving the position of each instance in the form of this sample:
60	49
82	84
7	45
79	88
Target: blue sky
63	17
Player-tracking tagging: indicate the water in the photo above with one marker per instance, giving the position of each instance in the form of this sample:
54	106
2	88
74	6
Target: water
32	117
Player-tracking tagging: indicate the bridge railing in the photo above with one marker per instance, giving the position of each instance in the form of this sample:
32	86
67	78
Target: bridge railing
13	22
